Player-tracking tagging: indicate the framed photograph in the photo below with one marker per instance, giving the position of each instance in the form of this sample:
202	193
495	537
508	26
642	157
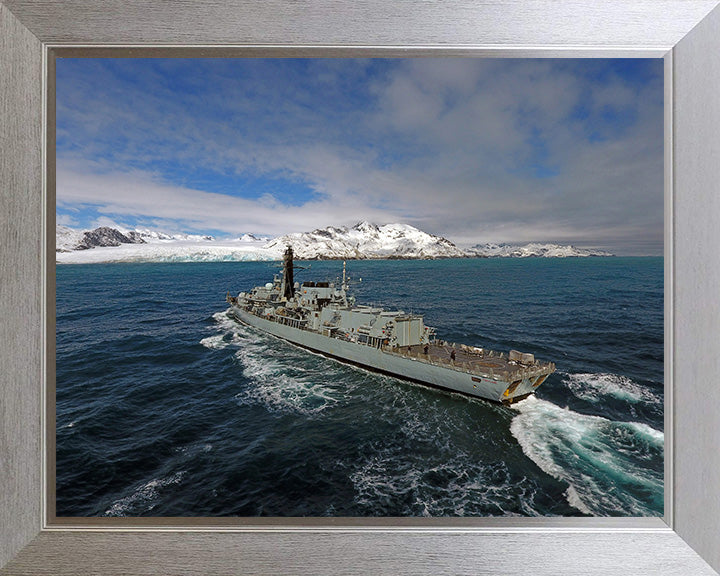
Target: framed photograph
310	187
387	539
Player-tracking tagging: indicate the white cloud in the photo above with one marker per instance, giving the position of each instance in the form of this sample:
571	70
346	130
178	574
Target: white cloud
476	150
139	196
65	220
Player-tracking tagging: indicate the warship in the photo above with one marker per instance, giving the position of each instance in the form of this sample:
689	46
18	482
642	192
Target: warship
323	317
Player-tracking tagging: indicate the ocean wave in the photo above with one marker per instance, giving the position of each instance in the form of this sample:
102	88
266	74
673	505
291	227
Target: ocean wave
446	473
144	498
281	393
596	387
390	483
228	333
612	468
281	379
217	342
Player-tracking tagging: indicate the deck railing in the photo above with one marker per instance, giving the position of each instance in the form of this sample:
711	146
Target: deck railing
458	364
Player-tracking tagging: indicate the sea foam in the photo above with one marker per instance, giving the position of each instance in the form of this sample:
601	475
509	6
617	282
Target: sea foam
143	497
604	462
597	387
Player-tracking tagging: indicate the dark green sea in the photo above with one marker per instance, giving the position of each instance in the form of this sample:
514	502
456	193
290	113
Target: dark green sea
165	407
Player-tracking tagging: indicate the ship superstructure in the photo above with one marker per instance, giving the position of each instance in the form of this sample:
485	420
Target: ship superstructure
323	317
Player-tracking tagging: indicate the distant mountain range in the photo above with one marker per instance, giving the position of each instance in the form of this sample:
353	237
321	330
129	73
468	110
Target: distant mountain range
531	251
361	241
68	239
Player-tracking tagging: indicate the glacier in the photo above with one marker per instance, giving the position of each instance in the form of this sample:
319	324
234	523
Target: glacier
364	240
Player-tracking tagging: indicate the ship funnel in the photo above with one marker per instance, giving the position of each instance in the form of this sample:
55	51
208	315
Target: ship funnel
287	289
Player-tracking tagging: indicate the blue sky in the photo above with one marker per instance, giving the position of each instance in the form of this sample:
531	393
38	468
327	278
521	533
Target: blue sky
476	150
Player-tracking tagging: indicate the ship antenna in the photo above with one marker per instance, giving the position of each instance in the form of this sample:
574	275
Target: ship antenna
344	284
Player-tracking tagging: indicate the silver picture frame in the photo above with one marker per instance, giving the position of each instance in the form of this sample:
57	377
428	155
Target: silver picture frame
686	33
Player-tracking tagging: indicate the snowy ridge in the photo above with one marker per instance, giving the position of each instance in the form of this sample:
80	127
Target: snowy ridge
250	238
366	240
106	236
106	244
532	250
362	241
146	234
67	239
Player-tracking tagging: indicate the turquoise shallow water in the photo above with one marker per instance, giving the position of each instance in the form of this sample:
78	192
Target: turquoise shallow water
165	407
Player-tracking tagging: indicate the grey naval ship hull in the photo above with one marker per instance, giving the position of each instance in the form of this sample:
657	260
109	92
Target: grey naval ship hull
324	318
415	366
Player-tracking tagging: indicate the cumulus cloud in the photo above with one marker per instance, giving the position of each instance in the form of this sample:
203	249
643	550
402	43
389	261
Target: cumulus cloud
139	198
474	149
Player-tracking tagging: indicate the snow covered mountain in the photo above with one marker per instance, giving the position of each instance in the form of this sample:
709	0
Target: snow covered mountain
250	238
106	236
107	244
155	235
362	241
531	250
67	239
366	240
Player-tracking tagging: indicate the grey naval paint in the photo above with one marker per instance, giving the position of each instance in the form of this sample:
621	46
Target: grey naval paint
322	317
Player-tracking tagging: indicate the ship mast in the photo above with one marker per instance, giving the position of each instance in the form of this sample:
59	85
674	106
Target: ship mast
287	288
